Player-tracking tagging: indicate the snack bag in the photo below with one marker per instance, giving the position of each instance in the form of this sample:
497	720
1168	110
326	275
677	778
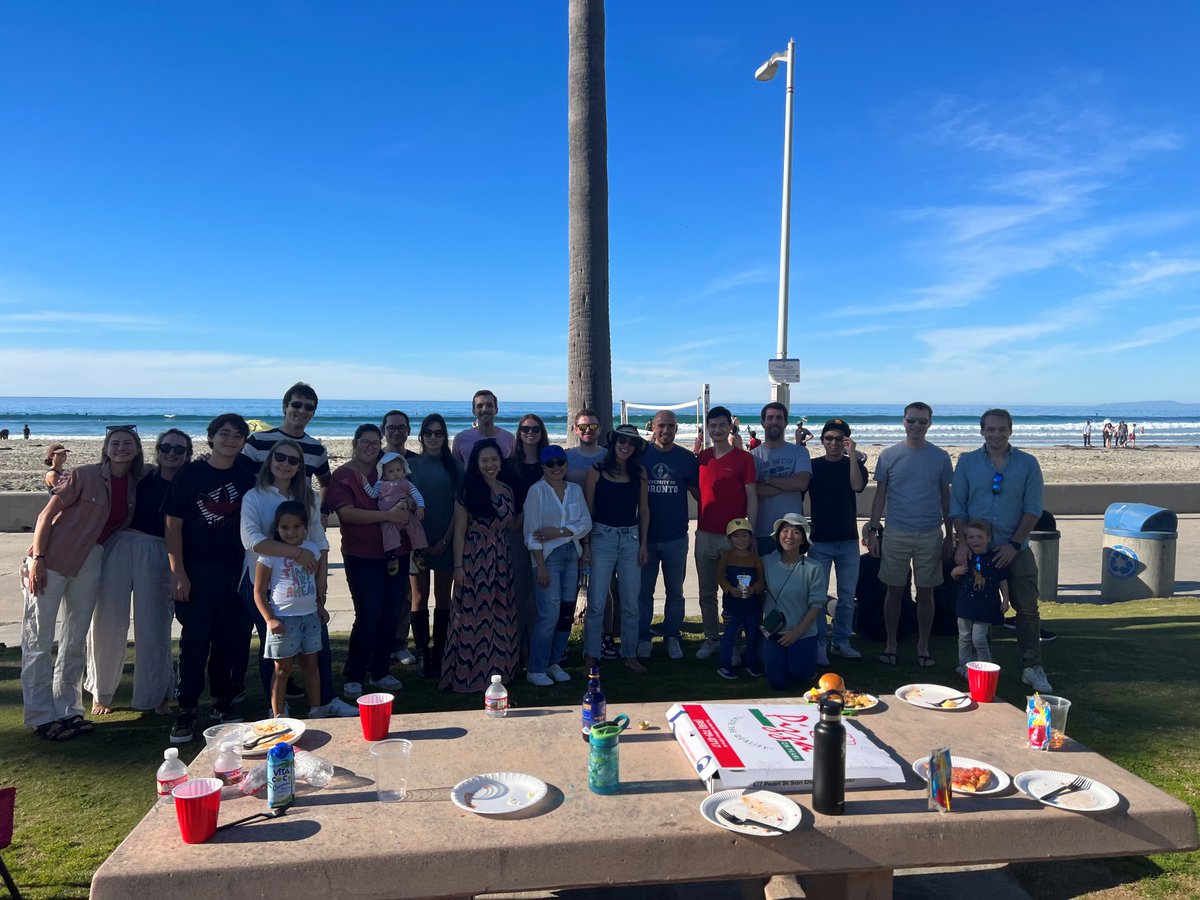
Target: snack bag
1038	723
940	770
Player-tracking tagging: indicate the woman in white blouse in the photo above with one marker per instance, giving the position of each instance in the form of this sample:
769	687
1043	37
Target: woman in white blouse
556	516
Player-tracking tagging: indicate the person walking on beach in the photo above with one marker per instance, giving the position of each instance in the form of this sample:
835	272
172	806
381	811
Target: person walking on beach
672	473
1002	486
913	485
728	491
1087	434
203	510
63	568
590	451
484	406
838	478
25	431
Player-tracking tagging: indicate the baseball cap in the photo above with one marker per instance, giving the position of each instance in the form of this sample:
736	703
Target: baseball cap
836	425
738	525
553	451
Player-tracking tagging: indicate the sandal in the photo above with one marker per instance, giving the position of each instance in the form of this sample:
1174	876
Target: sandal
55	731
79	724
888	659
925	662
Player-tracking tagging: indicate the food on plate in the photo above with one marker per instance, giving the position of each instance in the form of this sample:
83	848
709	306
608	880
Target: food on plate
850	699
762	811
970	778
951	703
270	726
831	681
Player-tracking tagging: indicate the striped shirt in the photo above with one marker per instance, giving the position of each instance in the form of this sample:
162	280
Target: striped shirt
316	460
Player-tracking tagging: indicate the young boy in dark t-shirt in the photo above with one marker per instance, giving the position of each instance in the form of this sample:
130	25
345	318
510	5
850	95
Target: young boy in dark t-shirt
740	575
982	596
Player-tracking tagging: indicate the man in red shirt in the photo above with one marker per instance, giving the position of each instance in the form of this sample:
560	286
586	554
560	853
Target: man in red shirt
727	491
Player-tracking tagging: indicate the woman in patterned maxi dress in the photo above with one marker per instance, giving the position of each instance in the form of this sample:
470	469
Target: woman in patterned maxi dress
482	640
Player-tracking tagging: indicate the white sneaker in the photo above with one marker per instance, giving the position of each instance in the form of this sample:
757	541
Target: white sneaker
708	649
1035	677
541	679
673	649
339	708
352	689
822	656
388	683
404	656
844	650
556	672
643	650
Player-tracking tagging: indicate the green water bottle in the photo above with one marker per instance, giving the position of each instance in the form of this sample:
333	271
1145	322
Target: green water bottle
604	764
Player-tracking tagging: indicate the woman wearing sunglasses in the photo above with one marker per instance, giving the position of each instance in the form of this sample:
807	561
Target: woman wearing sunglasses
617	500
63	569
555	518
282	477
522	470
437	475
135	563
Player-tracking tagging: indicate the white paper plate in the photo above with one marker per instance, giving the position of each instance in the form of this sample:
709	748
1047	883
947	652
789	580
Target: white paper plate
497	792
929	696
1037	783
814	696
257	729
1000	779
763	806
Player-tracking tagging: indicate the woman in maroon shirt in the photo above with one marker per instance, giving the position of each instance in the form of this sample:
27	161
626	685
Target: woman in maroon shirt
63	569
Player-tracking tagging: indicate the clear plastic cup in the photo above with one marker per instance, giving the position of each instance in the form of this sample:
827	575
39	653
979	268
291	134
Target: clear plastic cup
392	759
197	805
375	713
1057	707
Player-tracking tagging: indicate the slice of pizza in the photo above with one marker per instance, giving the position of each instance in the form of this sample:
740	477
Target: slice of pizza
973	778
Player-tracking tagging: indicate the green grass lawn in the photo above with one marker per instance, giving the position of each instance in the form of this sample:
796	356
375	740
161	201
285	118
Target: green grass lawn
1130	669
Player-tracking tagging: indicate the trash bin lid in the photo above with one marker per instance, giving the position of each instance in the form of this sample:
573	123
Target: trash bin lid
1140	520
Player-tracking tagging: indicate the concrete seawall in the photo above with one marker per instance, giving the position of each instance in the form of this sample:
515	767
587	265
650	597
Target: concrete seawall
19	509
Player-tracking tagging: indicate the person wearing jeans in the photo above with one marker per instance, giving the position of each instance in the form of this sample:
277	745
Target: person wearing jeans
616	499
555	518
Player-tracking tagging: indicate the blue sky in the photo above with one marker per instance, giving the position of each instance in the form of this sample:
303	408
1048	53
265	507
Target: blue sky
992	202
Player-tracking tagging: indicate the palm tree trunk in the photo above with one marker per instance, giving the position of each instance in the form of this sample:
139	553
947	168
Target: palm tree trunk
589	355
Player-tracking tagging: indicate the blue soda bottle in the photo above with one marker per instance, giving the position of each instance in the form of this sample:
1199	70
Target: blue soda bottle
281	776
595	705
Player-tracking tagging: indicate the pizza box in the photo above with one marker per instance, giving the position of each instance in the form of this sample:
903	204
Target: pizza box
768	746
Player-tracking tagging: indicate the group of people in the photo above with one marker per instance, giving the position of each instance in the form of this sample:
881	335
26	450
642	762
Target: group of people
1113	436
499	530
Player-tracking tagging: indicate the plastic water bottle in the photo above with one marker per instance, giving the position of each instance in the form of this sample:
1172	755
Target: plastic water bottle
281	776
171	773
317	771
228	764
495	699
595	704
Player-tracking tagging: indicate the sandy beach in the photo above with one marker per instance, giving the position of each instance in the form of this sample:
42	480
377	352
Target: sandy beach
22	465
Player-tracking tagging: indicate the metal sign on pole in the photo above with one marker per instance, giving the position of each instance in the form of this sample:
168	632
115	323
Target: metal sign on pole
783	371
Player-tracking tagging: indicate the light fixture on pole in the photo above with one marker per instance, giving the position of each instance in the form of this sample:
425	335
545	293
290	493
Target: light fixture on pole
779	389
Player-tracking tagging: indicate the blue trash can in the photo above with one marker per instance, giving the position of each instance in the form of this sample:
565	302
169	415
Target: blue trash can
1139	552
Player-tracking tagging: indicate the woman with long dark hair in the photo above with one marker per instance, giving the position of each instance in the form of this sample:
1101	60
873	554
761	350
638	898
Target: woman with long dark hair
437	475
522	470
482	641
616	495
135	563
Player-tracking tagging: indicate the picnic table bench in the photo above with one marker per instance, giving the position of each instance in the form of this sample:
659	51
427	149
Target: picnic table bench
341	842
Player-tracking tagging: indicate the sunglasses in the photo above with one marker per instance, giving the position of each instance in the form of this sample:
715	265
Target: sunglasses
555	463
915	421
173	449
307	407
109	429
587	428
530	429
996	482
834	439
433	432
285	458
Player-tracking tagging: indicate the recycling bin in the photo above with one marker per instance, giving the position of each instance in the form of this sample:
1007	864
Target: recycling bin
1139	552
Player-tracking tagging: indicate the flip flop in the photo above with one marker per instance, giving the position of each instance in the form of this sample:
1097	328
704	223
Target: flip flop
55	731
925	662
78	724
888	659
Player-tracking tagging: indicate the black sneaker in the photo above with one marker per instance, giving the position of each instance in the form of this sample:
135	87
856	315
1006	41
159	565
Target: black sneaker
184	729
226	714
1048	635
608	647
754	671
727	674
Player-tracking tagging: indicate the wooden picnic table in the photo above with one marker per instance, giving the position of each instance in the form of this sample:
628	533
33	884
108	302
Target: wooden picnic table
341	842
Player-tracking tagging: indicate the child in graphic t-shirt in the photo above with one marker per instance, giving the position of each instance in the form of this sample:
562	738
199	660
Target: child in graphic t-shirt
982	596
740	575
393	487
292	601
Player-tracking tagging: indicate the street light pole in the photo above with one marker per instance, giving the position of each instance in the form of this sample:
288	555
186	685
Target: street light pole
781	392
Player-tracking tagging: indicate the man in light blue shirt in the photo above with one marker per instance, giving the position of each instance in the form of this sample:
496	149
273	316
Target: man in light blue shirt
1003	486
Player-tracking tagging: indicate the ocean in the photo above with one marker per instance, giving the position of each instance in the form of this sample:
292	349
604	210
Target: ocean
58	418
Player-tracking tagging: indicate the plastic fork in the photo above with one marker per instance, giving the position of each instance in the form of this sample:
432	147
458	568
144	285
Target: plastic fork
730	817
1079	784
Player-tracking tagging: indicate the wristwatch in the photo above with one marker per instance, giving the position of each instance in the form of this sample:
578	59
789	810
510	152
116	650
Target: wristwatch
1016	545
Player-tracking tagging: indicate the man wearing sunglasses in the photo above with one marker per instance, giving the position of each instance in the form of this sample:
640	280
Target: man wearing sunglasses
589	451
484	406
913	483
1003	486
299	407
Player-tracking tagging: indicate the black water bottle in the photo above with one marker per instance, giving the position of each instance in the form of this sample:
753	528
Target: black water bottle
829	758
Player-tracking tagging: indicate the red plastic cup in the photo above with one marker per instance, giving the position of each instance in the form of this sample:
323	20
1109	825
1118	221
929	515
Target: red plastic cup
197	803
375	713
983	678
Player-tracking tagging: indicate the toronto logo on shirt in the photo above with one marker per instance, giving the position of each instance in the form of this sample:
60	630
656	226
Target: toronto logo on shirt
661	480
222	506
